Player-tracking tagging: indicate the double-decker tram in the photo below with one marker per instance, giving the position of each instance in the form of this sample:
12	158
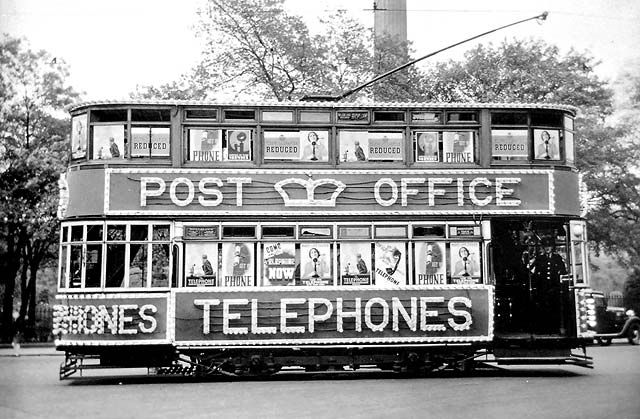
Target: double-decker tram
241	238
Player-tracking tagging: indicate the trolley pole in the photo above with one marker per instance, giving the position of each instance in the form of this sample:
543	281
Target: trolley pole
540	18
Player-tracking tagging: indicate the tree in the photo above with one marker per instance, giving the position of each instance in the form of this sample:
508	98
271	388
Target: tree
34	151
270	54
529	71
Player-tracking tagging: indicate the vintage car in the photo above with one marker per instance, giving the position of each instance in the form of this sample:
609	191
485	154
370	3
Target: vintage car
613	322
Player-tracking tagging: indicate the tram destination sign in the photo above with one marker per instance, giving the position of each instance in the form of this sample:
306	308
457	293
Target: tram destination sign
312	316
246	192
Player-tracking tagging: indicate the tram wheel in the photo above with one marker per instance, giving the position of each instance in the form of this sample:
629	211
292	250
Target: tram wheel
634	334
603	341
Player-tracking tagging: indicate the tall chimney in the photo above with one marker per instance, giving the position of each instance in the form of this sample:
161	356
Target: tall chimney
390	18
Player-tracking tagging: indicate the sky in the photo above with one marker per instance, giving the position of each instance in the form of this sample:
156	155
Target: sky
113	45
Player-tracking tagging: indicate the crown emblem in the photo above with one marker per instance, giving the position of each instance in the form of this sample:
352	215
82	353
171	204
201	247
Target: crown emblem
310	189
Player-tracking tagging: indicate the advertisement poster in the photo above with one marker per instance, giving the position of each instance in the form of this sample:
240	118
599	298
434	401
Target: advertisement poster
458	147
385	146
510	143
355	263
354	146
79	136
546	144
427	149
201	264
314	145
391	262
465	263
205	145
237	269
430	263
282	145
150	142
279	263
315	264
108	142
238	145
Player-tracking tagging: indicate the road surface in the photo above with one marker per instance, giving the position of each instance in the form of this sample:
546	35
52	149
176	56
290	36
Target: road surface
29	388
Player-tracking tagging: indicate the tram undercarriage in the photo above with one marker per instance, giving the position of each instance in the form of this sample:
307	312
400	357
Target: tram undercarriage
420	360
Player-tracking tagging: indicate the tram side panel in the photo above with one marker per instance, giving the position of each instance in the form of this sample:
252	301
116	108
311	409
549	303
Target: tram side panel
291	317
345	316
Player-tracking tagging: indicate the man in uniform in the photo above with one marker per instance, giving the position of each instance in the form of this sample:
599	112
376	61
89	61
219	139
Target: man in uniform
547	270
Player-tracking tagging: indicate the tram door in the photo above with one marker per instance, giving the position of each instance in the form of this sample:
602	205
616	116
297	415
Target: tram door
530	265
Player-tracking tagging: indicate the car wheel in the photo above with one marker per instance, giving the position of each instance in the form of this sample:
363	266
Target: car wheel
603	341
634	334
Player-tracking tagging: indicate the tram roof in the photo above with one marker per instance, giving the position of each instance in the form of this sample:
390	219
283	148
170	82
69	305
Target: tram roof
324	104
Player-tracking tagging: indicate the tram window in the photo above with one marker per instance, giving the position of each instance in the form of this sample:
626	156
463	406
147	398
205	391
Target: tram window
116	232
355	263
201	114
546	144
315	232
509	118
75	281
160	232
390	263
93	266
464	231
315	117
139	232
115	266
64	267
109	142
246	115
160	265
308	146
201	263
150	115
430	263
354	232
277	116
147	263
427	146
429	231
547	119
237	265
138	265
465	262
458	147
278	231
390	231
569	147
94	232
281	263
237	145
214	145
462	117
388	116
568	123
77	233
150	141
316	266
238	231
426	117
362	146
79	136
509	144
108	115
204	145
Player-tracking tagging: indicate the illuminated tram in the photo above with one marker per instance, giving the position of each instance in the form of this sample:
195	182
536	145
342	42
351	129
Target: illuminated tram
240	238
